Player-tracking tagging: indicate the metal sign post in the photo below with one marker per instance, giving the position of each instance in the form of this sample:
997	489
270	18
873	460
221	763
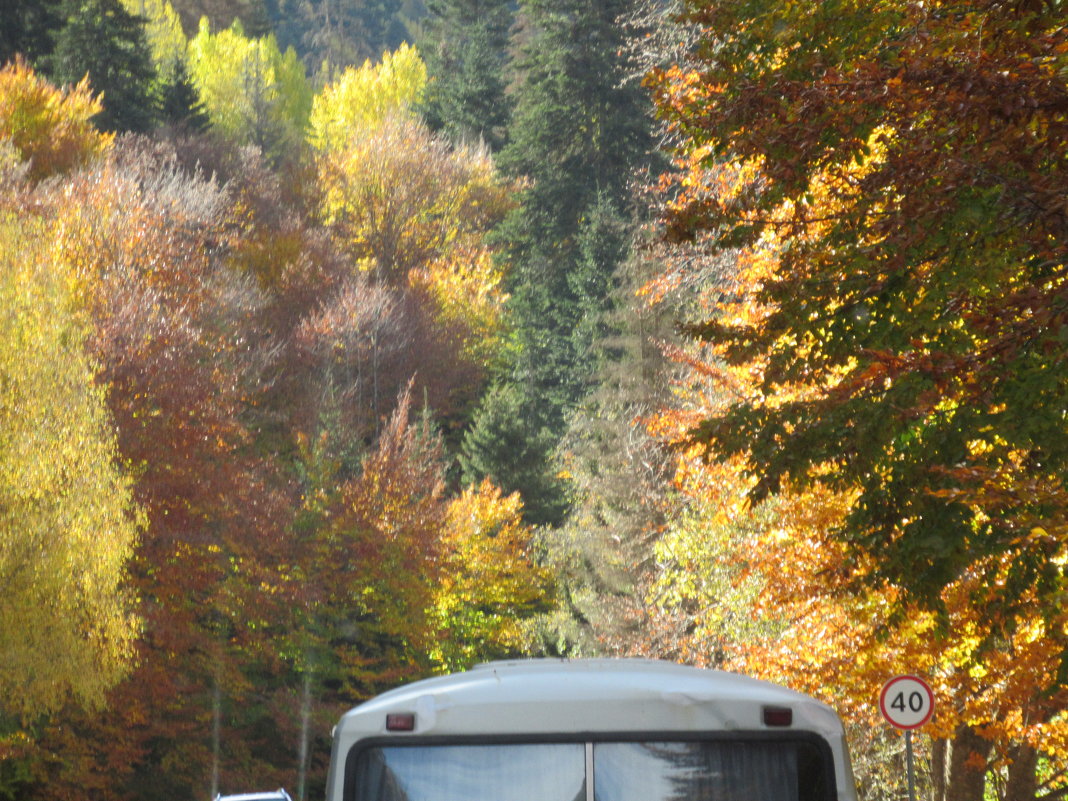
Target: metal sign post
908	765
907	702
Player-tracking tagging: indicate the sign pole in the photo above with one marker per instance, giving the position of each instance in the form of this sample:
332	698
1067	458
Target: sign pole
909	765
907	702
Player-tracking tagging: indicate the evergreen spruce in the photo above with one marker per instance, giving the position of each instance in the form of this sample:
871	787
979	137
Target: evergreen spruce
179	103
505	445
579	128
619	479
27	28
101	39
337	32
602	243
466	54
579	132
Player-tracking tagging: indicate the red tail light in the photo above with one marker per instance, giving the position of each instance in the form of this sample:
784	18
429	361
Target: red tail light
400	721
778	716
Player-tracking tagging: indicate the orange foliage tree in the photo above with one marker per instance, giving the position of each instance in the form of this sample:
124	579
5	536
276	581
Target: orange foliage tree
397	578
374	559
48	127
888	457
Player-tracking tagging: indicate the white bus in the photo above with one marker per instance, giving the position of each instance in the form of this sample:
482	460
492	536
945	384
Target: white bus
590	730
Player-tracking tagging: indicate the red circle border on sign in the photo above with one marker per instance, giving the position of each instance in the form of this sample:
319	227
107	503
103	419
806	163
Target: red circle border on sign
886	690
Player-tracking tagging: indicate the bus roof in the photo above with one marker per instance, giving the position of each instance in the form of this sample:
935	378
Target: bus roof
553	696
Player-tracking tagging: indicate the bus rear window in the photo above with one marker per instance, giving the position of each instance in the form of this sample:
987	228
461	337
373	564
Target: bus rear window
519	772
714	770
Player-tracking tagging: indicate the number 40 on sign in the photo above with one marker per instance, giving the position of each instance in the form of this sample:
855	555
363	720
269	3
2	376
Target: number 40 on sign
907	702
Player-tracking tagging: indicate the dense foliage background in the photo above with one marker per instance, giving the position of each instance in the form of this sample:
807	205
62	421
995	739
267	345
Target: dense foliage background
346	342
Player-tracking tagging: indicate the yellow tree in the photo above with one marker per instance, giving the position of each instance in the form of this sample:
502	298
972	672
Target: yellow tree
363	97
251	90
402	197
414	212
490	581
68	524
67	520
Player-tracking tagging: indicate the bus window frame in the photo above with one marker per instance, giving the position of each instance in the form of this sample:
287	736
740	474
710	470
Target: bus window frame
824	749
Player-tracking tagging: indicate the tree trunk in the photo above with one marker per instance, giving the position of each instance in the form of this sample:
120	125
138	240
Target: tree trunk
216	733
967	766
305	735
938	769
1022	784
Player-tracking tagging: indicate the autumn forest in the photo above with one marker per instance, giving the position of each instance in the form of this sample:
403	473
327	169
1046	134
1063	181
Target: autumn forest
345	342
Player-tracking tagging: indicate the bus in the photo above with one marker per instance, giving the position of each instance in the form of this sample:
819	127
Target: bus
590	730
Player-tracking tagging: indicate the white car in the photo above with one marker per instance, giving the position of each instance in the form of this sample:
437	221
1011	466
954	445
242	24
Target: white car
271	795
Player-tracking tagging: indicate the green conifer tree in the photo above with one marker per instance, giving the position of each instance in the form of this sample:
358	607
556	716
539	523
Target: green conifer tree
579	132
602	243
505	445
26	27
466	50
619	475
101	38
580	128
179	103
338	33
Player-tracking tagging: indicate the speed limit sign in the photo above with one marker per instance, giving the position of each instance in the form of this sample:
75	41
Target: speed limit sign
907	702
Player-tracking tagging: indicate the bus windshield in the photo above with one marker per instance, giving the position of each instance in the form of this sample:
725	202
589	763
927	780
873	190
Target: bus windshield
654	770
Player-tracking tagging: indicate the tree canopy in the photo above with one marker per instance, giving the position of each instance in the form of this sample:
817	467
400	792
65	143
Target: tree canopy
870	445
308	387
252	91
467	50
102	40
48	128
895	173
68	524
359	99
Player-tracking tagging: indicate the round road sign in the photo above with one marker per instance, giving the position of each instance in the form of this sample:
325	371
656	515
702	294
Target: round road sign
907	702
